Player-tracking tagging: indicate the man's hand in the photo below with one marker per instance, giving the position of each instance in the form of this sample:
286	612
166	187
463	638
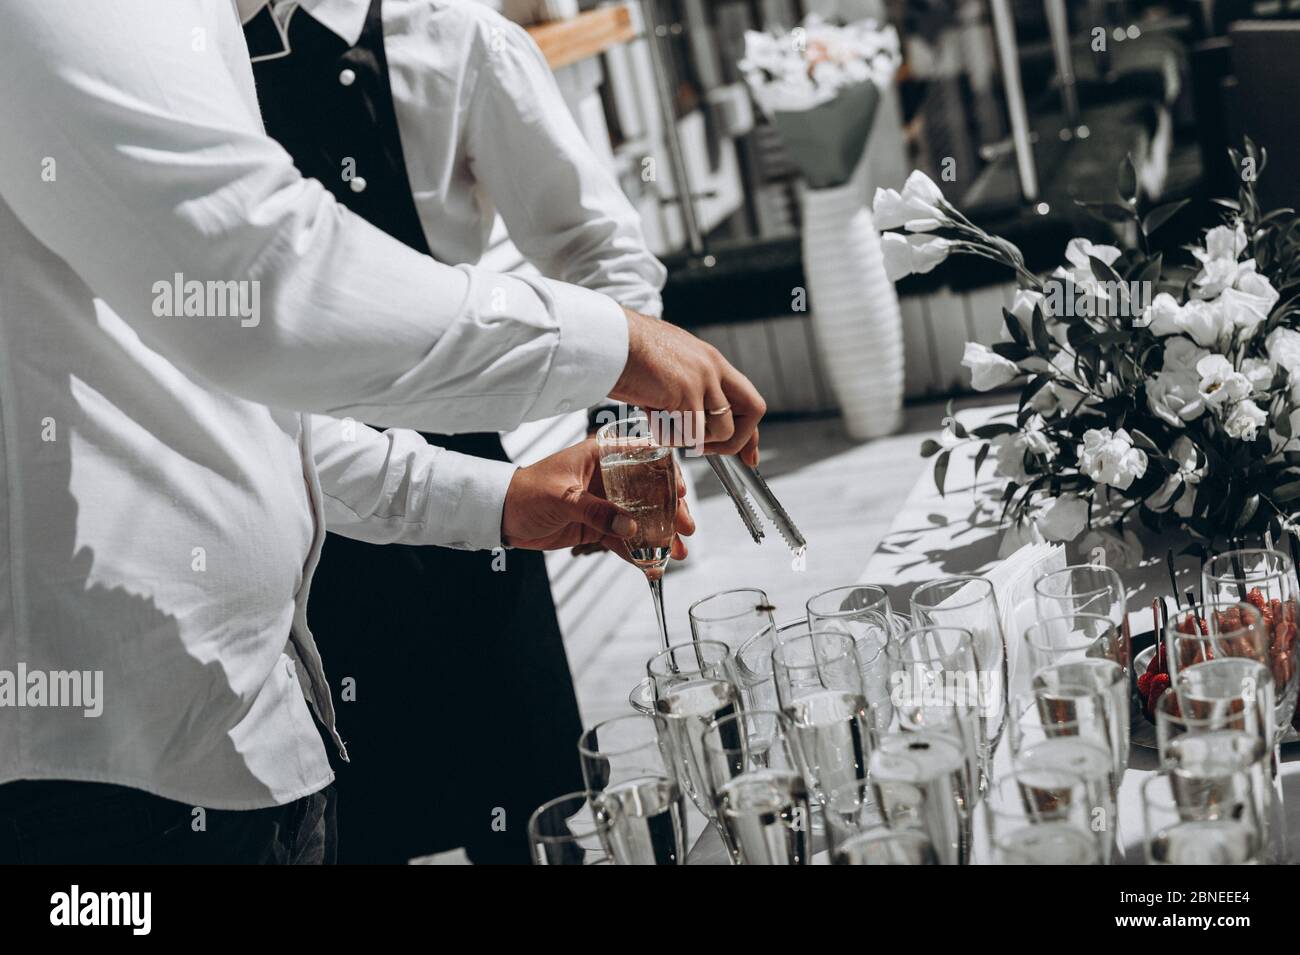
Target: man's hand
560	502
669	369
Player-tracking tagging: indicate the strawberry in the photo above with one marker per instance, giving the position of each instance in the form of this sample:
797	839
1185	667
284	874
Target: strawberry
1144	682
1159	683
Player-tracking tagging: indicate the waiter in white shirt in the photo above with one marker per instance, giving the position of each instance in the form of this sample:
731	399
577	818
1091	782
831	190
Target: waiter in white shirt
163	489
423	118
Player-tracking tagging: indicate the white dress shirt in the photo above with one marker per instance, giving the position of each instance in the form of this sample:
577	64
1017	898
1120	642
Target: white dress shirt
160	510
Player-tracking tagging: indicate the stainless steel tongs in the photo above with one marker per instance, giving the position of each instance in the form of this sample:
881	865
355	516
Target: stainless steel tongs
746	487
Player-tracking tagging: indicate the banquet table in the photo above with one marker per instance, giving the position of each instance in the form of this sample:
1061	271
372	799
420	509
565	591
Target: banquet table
937	535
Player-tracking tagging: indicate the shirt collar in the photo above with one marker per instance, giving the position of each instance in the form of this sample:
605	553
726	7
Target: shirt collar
345	18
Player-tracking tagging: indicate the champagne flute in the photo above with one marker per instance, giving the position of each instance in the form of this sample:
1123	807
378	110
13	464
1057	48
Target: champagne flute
694	684
1207	821
856	833
1082	588
731	617
759	794
1041	818
630	768
1243	630
921	780
863	612
640	476
971	603
568	830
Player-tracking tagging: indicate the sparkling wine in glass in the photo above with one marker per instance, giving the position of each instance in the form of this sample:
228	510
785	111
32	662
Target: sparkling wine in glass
640	476
629	766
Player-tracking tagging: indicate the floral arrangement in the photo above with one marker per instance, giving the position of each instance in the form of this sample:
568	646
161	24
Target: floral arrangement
1165	393
820	85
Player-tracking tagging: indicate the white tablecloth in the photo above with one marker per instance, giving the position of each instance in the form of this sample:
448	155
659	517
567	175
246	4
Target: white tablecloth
957	533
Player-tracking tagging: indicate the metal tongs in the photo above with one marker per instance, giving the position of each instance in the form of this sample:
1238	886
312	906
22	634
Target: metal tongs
746	487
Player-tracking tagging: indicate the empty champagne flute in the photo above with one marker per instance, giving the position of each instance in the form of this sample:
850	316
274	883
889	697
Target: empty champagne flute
630	769
759	794
754	669
568	830
640	476
921	780
1041	818
1082	588
731	617
1043	743
856	833
1098	651
1201	822
819	688
970	603
863	612
694	685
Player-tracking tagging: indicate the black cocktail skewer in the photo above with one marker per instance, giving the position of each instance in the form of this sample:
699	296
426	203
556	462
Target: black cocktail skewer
1173	575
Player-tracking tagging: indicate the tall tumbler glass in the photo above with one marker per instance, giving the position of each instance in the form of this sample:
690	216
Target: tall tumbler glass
569	830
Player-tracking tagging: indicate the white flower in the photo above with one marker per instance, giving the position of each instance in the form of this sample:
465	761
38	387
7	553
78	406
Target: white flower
911	254
1121	553
1219	267
802	70
1078	251
988	369
1163	314
1009	452
1173	394
1247	302
1283	345
920	201
1108	457
1245	421
1221	384
1205	322
1064	518
1259	373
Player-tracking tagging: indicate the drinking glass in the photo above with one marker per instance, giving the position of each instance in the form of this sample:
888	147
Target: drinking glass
921	780
1044	742
759	794
863	612
630	769
935	687
1243	630
754	669
1082	588
1187	637
1201	821
642	697
1235	574
731	617
970	603
1102	654
1042	817
1089	692
568	830
640	476
694	684
856	833
819	688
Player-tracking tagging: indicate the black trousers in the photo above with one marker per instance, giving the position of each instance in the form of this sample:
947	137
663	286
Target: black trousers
57	822
453	690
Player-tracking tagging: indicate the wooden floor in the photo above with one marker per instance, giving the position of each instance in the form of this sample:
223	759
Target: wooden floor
842	495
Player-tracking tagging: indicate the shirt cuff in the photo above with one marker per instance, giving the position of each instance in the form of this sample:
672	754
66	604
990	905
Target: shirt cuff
475	522
592	352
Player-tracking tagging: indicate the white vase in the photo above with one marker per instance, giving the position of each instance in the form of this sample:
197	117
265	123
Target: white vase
856	321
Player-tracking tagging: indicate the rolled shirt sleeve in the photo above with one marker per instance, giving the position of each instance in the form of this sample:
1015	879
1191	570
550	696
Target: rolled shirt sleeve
165	175
396	488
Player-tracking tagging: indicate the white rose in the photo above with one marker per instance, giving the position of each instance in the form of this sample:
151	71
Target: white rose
1078	251
1163	315
1221	384
1063	519
988	369
1175	397
1248	301
1223	242
1121	553
1259	373
1182	355
920	199
1108	457
1283	345
1009	452
1206	322
1245	421
911	254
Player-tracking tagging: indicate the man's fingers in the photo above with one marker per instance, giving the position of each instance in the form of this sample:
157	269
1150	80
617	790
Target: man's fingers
684	523
597	513
718	422
747	409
